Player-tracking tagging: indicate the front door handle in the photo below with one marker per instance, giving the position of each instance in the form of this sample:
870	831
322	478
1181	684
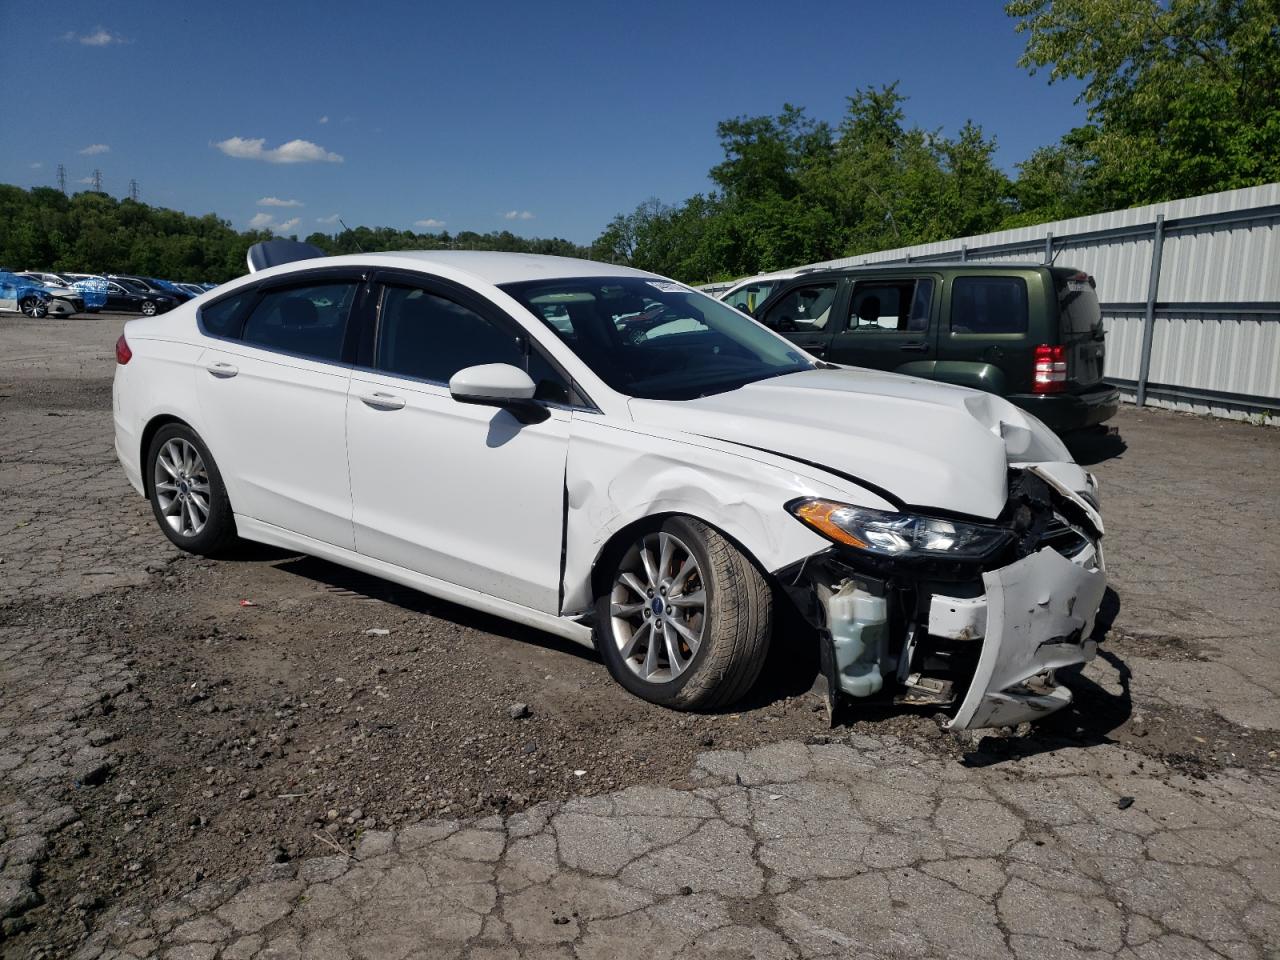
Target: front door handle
382	401
915	347
223	371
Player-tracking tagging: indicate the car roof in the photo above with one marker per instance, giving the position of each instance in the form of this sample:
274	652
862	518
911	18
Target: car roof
483	265
976	266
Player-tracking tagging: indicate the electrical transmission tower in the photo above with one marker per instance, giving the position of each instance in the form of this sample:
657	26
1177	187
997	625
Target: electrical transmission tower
62	178
133	190
97	180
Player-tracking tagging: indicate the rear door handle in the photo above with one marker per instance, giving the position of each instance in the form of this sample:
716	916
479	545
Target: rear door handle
382	401
223	371
915	347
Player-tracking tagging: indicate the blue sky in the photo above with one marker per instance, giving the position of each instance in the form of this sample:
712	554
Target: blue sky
544	118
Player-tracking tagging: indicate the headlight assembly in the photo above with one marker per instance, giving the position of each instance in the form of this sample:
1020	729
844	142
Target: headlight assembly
898	534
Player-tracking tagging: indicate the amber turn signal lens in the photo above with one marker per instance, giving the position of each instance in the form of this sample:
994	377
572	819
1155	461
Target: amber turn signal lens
817	514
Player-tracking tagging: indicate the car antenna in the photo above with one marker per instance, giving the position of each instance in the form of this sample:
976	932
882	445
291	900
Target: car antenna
350	231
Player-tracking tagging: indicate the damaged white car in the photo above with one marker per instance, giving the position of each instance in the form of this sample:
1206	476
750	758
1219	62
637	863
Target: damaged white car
618	459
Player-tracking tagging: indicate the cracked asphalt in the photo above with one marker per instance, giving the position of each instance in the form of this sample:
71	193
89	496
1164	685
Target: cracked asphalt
1142	823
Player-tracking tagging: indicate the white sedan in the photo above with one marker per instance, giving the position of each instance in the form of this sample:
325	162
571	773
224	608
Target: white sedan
613	457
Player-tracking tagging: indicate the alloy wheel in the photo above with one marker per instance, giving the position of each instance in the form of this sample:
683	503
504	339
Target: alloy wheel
658	608
148	308
181	484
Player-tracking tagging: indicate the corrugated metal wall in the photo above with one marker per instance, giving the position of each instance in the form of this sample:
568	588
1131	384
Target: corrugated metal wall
1215	339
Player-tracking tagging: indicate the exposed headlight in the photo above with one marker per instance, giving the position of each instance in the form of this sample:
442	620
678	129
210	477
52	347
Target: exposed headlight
898	534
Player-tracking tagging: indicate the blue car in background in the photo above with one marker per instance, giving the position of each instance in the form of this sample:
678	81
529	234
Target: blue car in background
21	295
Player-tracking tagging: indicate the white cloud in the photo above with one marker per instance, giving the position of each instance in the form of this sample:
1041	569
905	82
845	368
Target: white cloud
97	37
37	165
428	222
295	151
93	149
277	202
87	181
262	221
331	218
287	225
518	215
324	119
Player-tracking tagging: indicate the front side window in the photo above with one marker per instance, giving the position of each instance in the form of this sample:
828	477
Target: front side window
803	309
751	296
310	321
657	339
988	305
901	306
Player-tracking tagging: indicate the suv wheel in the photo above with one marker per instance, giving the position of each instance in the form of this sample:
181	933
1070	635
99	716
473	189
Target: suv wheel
187	495
685	619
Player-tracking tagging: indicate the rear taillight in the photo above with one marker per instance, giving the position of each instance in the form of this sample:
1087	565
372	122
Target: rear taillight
123	353
1050	369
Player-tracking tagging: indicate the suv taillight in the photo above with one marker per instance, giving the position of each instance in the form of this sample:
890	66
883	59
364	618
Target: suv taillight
123	353
1050	369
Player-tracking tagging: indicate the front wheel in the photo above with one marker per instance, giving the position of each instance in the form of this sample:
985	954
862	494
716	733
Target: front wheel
187	495
684	618
34	307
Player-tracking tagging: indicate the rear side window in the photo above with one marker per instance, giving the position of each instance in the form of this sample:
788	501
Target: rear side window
309	321
1078	305
987	305
804	308
897	305
222	319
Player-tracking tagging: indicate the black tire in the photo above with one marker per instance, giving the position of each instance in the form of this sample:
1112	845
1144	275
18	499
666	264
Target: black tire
219	529
735	634
34	308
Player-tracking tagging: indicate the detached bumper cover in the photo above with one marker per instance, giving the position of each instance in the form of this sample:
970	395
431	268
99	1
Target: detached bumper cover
1040	613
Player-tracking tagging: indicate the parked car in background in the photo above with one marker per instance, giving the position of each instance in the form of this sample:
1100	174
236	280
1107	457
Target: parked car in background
151	286
1030	333
748	294
21	295
126	294
651	487
194	289
64	300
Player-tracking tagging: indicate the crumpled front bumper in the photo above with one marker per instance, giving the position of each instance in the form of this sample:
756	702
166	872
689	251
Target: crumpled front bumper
1037	616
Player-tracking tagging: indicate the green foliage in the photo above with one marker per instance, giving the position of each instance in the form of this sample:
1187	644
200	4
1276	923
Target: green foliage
1183	95
94	233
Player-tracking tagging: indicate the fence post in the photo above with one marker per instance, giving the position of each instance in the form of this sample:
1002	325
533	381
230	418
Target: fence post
1153	289
1048	247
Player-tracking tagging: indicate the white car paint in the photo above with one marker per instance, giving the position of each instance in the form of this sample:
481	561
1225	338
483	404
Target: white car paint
511	517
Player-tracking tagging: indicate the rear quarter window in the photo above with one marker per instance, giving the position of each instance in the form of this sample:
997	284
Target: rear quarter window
222	319
988	305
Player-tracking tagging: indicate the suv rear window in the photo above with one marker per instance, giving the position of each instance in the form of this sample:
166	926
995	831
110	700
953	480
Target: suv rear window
1078	305
987	305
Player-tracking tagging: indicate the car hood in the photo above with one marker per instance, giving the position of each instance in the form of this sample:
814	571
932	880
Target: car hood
926	444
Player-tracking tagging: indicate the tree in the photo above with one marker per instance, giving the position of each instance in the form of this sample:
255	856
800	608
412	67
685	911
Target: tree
1183	95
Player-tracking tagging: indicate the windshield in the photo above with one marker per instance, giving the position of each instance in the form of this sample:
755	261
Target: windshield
657	339
750	296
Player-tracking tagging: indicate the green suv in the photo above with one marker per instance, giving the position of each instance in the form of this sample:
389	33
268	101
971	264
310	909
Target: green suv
1029	332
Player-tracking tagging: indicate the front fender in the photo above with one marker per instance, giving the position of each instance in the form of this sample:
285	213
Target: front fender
617	475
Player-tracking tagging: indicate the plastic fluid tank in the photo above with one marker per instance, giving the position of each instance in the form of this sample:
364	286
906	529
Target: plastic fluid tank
859	626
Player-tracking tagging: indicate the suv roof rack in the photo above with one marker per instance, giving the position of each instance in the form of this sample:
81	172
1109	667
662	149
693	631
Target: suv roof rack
274	253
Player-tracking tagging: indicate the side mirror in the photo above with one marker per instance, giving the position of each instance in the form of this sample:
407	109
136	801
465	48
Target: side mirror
498	385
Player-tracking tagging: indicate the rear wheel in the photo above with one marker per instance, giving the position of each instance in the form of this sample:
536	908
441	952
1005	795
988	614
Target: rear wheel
187	495
685	618
148	308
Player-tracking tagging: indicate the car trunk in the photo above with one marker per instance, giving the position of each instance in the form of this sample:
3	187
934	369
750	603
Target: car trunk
1080	328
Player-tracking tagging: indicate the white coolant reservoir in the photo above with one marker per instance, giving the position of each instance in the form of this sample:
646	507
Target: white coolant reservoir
859	627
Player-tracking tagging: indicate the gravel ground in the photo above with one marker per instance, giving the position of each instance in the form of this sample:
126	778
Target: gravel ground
167	722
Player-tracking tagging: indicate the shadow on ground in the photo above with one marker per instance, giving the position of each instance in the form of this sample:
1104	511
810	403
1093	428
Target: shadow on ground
1095	445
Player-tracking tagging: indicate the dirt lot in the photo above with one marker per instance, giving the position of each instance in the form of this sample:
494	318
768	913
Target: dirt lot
166	719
